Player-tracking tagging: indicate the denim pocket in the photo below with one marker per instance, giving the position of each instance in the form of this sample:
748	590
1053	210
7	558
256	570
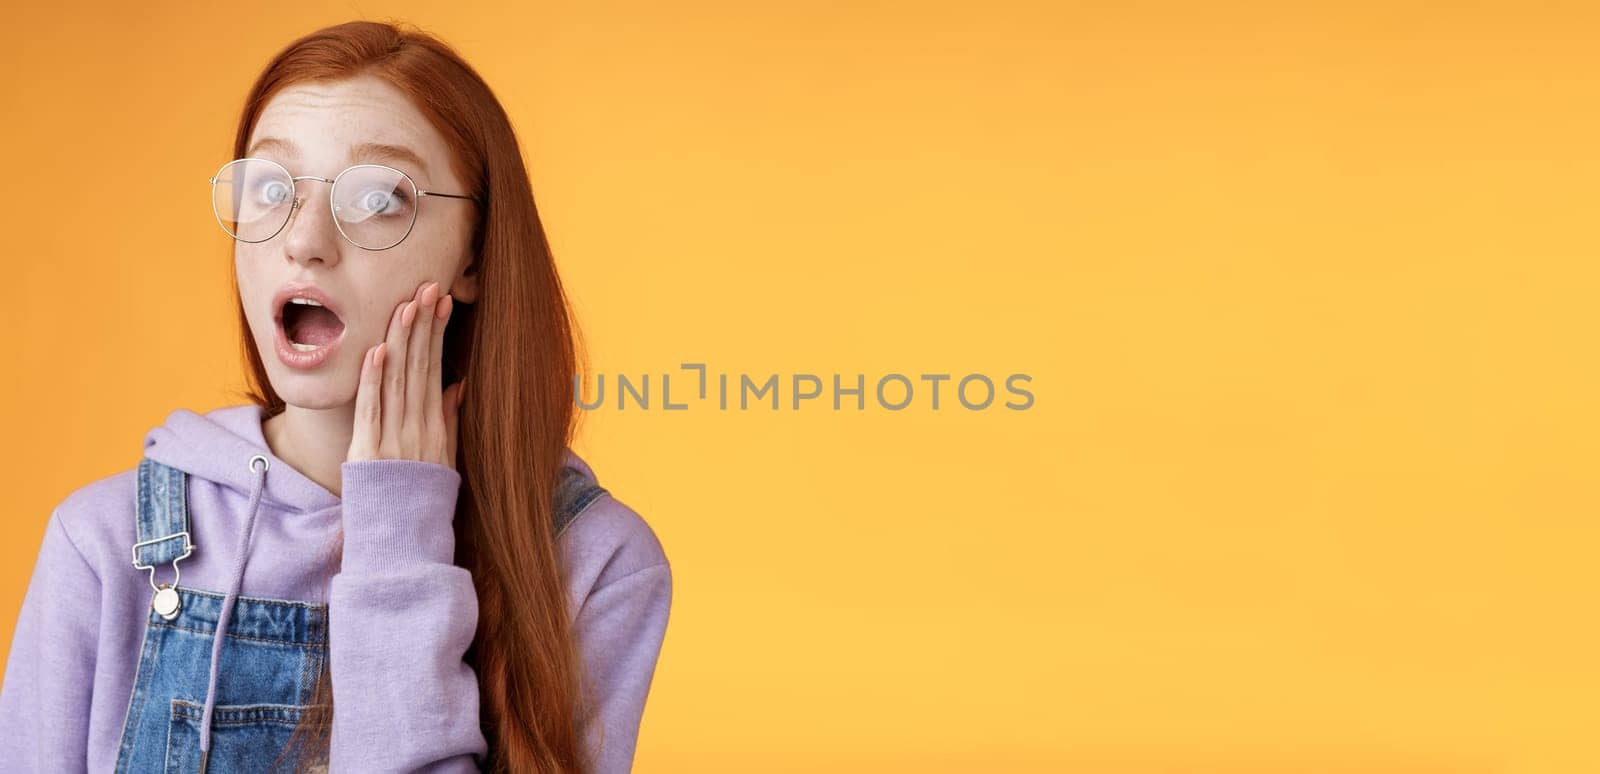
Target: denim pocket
244	737
266	670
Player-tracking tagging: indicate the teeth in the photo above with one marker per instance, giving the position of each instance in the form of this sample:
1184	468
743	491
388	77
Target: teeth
304	347
306	301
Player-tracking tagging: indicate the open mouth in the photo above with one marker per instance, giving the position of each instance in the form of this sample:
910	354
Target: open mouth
308	325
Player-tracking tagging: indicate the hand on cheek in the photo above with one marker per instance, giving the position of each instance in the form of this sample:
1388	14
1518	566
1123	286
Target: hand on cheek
401	412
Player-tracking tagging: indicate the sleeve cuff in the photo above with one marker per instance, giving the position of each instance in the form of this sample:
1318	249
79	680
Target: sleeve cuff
397	513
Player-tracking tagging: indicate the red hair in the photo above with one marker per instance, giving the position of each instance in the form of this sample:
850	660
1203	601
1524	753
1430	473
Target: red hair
517	348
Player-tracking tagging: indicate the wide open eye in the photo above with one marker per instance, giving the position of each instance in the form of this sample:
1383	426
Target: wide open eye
385	201
272	192
373	193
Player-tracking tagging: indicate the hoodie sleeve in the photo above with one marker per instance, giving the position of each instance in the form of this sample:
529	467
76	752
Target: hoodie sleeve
619	629
44	702
401	617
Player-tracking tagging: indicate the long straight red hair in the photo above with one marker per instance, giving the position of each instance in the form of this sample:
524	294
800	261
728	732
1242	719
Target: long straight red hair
518	350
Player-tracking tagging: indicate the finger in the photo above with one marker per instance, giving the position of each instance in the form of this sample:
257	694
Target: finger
433	402
394	382
418	427
368	418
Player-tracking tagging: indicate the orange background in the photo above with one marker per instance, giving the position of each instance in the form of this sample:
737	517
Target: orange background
1307	293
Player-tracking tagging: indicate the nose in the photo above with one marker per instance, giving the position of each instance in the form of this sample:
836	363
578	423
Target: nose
311	235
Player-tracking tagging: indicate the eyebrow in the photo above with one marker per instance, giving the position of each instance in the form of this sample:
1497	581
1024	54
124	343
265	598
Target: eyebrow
367	151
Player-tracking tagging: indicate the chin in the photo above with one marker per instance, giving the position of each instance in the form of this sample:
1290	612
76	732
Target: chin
312	397
324	388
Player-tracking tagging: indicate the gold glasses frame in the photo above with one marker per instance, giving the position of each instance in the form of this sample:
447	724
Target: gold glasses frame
299	200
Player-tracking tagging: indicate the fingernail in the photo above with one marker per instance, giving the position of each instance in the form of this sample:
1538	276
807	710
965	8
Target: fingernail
409	314
444	307
430	293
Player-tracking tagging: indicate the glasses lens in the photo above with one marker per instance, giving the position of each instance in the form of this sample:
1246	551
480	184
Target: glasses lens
252	199
375	206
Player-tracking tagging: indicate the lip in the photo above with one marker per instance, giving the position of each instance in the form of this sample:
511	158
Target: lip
287	353
303	290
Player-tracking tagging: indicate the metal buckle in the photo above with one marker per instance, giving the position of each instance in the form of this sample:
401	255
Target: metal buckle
188	548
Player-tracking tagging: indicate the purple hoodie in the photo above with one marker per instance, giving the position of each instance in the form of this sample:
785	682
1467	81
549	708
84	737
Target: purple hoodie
401	618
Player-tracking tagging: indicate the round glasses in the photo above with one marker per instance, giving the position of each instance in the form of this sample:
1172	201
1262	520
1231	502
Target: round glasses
374	206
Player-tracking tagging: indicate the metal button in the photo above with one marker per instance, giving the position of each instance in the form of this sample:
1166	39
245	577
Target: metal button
165	602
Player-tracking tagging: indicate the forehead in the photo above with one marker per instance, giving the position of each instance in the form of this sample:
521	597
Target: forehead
319	128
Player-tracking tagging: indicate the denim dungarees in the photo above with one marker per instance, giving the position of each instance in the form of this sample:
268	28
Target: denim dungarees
266	666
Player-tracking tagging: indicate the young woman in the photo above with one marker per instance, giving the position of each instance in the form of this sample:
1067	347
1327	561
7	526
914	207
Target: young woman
378	573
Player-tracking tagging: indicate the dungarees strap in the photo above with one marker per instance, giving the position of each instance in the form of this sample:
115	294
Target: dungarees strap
573	494
162	519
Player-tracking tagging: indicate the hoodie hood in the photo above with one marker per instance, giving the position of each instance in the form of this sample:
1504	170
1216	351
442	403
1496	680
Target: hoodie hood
218	446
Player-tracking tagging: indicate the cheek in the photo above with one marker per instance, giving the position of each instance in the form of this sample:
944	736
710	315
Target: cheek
255	292
376	296
430	260
246	268
249	295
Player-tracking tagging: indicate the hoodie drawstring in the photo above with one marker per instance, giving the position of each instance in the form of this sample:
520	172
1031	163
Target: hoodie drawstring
240	556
